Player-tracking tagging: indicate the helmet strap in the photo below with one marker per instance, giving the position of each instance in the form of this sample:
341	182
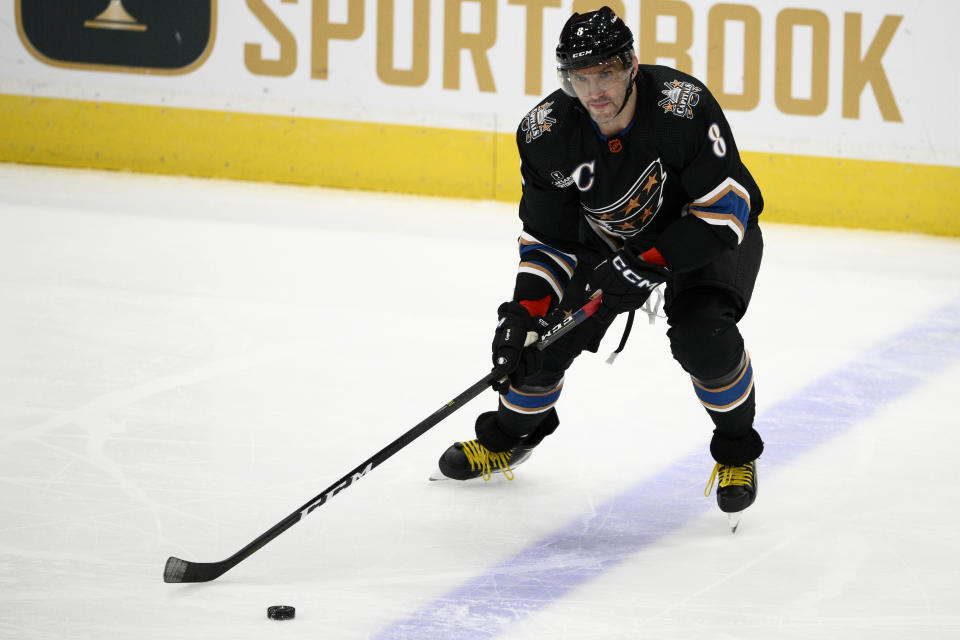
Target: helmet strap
626	96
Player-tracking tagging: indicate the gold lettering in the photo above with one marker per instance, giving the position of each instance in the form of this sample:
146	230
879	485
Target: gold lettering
323	31
417	74
717	19
455	40
678	50
534	43
253	58
816	104
858	72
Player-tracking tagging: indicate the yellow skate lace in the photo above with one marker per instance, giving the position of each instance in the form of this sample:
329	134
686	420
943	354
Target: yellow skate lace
487	461
737	476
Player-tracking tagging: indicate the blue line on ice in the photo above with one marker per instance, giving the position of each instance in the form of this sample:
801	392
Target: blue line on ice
551	567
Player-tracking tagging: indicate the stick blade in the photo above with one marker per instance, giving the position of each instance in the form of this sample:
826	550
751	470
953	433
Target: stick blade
177	570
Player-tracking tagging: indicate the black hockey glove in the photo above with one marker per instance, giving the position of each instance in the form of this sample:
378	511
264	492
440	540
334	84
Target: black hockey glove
626	281
510	358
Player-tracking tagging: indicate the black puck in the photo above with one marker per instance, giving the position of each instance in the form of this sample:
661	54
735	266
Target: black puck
281	612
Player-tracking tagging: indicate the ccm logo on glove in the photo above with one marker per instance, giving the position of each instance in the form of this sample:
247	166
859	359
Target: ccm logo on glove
631	276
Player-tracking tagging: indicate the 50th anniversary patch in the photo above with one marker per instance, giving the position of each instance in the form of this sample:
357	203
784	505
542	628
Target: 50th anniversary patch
538	121
136	36
681	98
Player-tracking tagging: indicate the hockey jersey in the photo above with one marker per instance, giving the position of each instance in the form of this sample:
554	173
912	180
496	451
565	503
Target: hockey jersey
672	180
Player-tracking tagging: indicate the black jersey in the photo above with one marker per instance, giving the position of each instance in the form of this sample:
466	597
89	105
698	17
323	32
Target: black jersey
673	180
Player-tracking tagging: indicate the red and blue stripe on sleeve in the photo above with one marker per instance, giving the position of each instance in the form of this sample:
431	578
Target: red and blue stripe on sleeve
542	269
727	205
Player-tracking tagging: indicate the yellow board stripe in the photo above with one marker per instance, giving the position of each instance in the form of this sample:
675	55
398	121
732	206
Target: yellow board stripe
864	194
431	161
221	144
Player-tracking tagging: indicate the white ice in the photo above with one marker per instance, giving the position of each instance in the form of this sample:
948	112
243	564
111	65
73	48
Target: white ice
185	362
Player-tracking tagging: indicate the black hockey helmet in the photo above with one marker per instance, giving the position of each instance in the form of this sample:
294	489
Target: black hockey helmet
592	38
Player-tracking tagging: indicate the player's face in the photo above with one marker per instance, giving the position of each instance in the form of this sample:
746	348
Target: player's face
601	88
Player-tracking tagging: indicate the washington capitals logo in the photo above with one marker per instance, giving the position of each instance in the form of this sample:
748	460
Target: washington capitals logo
538	121
635	209
681	98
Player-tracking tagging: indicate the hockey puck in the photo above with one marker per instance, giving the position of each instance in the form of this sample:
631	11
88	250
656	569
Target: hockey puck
281	612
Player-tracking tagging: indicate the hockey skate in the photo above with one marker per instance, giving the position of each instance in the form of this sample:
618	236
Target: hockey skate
737	489
469	460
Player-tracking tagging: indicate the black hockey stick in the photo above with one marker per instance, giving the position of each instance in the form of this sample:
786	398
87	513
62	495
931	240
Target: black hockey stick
177	570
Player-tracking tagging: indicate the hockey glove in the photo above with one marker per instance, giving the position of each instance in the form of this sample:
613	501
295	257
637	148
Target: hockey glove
626	281
510	357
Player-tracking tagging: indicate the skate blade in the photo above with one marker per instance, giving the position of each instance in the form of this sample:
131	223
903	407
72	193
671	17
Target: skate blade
733	519
437	476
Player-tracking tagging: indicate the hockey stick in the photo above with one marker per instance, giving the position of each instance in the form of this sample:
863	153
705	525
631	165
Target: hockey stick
177	570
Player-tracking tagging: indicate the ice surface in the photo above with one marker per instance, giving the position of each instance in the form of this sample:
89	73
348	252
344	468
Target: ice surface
185	362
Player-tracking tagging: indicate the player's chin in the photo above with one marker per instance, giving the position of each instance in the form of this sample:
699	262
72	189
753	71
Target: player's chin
603	113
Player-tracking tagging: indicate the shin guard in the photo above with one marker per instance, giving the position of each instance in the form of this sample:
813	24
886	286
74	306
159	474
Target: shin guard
731	403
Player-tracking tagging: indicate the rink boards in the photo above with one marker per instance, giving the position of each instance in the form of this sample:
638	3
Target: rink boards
831	111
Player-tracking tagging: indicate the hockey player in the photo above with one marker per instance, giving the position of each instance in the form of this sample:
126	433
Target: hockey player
631	178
